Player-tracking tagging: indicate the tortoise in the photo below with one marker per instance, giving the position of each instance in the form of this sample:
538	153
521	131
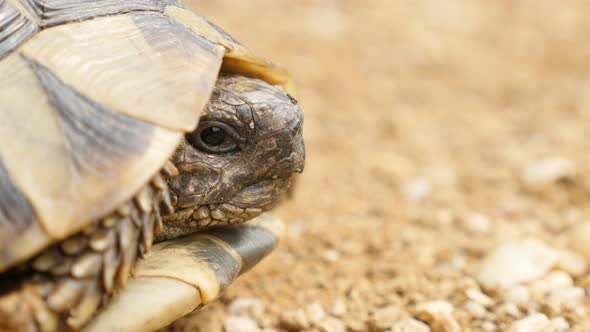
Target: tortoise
127	123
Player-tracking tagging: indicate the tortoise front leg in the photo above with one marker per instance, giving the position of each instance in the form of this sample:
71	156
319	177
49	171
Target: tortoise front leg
181	275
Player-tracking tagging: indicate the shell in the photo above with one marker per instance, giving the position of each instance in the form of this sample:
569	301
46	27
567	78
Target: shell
95	97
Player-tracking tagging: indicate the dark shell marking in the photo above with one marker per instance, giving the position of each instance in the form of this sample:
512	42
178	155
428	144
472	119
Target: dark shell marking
16	213
98	139
15	27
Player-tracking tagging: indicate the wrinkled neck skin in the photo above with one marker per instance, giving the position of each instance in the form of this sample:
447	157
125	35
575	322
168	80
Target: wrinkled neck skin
232	177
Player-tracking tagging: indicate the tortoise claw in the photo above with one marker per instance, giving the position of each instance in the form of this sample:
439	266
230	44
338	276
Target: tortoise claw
182	275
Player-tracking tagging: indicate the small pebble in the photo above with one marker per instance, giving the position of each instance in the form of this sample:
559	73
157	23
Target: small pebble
385	317
509	309
416	189
410	325
517	262
315	313
331	255
476	309
477	223
438	315
244	306
569	297
240	324
479	297
553	280
517	294
531	323
435	308
547	170
294	320
572	263
488	326
332	325
339	308
445	324
355	325
560	324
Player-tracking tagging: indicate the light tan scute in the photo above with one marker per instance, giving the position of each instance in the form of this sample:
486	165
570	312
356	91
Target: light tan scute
177	259
62	146
147	304
238	59
210	261
142	64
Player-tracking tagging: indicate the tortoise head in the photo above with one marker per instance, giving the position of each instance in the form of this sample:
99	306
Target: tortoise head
241	158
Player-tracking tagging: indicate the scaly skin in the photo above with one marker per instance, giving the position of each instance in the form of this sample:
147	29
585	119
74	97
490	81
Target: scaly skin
234	166
234	186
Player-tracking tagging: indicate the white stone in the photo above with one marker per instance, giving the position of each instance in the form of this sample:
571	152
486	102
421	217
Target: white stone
477	223
416	189
315	313
509	309
488	326
553	280
438	315
331	255
445	324
385	317
531	323
517	294
572	263
476	309
339	307
243	306
547	170
560	324
516	262
479	297
570	297
435	308
332	325
240	324
557	279
410	325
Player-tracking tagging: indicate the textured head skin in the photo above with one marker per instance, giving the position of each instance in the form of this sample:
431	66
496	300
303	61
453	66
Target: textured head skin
240	160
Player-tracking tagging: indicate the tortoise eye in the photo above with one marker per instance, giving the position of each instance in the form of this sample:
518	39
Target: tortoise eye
214	137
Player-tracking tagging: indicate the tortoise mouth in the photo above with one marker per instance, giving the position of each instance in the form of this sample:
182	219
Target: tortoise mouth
246	204
264	194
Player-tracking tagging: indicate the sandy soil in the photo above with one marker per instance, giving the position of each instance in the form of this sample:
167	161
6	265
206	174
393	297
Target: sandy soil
429	125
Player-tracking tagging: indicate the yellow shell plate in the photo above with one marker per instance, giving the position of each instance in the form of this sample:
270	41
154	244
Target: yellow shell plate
238	59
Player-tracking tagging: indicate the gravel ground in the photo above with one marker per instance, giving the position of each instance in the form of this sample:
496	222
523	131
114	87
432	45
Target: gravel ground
445	188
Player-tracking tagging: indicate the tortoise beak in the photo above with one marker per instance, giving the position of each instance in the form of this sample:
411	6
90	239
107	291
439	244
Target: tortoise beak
298	157
298	154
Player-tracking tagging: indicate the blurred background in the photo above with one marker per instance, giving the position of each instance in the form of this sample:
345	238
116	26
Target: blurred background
445	187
